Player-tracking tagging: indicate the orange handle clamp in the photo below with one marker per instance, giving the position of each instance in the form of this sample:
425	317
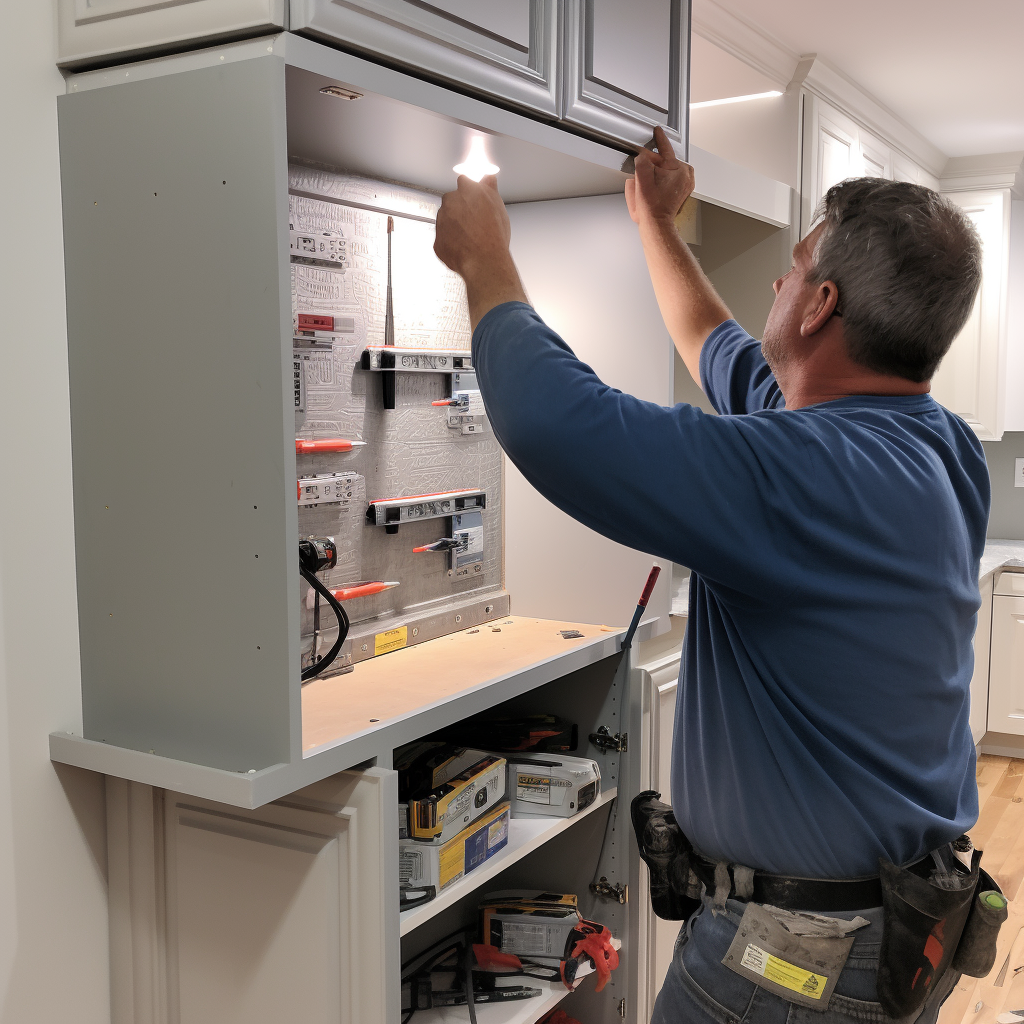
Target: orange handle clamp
303	446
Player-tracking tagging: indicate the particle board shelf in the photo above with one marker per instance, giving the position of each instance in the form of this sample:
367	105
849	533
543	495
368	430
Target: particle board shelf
524	836
521	1011
363	715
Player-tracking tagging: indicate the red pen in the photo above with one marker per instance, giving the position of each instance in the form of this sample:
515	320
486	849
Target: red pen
304	446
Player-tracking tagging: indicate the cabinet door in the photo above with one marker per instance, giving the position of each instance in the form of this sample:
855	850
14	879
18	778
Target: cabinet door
1006	674
876	159
507	50
979	680
626	68
221	915
970	380
87	30
831	154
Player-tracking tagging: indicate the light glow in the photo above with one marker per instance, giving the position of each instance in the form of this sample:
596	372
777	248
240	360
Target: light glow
736	99
477	164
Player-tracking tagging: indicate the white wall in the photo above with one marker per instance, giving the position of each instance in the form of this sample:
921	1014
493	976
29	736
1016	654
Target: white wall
594	290
53	922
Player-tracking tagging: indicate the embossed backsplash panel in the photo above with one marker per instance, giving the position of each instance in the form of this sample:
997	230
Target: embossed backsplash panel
411	449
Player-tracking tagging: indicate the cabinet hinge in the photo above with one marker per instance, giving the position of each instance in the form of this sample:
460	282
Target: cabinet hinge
605	740
622	1008
610	890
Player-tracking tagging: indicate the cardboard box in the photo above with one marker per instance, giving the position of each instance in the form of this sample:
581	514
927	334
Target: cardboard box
440	864
465	797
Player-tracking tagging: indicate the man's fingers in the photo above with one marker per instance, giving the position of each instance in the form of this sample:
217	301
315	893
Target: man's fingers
490	180
661	141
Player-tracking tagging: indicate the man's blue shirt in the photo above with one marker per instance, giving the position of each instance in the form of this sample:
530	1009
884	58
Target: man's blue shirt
822	711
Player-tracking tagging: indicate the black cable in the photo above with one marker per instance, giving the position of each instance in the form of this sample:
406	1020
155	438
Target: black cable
343	626
470	993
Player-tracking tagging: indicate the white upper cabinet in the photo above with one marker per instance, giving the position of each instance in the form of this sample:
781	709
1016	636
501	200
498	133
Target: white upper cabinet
507	50
89	30
625	67
972	378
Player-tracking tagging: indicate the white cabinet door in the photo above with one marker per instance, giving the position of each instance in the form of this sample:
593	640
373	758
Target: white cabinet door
507	50
625	67
876	158
221	915
89	29
1006	674
830	154
970	380
979	680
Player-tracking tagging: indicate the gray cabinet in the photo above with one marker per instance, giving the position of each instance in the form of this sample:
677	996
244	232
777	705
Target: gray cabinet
507	50
625	67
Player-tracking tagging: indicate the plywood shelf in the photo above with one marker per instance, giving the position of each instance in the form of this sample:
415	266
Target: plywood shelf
524	836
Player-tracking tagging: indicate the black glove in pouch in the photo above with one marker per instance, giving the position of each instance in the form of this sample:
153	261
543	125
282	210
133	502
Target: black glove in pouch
666	852
925	911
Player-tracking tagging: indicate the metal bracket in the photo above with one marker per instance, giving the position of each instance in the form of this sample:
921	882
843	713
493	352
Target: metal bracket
392	512
622	1008
610	890
416	360
605	740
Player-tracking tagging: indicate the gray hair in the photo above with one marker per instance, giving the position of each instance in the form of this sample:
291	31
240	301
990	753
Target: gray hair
907	265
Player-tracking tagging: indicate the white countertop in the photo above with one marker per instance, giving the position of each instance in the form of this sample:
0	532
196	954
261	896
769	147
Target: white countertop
999	554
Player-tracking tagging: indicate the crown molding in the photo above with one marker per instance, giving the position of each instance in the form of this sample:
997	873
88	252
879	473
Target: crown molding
746	42
996	170
820	79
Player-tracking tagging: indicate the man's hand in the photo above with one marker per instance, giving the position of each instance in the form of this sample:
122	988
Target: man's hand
472	239
660	185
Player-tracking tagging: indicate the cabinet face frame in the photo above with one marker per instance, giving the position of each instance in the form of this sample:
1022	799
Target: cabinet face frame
423	38
1006	691
600	106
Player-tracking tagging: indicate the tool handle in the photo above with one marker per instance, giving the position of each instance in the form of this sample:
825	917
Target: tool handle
649	586
303	446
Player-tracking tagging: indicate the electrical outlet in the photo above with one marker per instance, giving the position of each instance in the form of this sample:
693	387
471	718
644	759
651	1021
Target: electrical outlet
1018	473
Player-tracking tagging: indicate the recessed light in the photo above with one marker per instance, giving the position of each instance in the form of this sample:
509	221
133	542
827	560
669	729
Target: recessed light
342	94
477	163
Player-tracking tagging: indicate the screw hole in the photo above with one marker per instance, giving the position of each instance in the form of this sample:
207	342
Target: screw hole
257	647
374	719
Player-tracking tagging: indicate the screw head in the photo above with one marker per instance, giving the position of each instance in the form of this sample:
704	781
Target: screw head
458	618
363	648
415	631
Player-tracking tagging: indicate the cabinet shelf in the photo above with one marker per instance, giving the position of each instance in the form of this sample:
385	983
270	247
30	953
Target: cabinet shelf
524	836
522	1011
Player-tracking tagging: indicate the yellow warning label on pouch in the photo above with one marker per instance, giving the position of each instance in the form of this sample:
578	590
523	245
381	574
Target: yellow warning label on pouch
392	640
783	973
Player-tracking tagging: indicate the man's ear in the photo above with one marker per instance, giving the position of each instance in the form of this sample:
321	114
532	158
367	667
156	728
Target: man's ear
822	306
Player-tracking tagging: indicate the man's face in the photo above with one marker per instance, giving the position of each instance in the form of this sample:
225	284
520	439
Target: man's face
792	298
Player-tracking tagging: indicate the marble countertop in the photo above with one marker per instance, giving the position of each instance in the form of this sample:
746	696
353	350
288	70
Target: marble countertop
1001	553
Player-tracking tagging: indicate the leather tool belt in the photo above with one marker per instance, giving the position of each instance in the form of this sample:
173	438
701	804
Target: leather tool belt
938	913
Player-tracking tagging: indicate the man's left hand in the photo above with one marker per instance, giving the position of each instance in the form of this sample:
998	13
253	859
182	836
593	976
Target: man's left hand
473	235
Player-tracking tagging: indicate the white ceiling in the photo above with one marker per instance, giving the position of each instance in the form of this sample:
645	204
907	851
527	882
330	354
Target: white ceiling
952	70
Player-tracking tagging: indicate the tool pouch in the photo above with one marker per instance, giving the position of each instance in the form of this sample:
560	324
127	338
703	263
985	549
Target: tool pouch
667	853
922	926
976	954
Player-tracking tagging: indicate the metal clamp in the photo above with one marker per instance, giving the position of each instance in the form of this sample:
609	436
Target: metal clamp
606	741
610	890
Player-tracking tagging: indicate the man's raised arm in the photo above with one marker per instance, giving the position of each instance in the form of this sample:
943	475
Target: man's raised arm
689	304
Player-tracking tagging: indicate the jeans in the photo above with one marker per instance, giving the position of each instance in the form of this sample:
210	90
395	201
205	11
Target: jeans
699	990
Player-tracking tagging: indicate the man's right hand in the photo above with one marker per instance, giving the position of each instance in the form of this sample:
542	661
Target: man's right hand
660	185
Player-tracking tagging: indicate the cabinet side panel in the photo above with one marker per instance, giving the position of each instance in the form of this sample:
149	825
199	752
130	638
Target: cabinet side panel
175	221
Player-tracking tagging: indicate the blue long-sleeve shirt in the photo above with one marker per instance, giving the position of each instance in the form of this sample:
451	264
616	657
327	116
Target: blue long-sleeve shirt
822	711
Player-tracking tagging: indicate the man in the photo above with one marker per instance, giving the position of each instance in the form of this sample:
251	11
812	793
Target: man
834	517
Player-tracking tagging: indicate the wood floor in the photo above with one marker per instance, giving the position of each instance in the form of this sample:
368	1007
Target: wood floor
1000	833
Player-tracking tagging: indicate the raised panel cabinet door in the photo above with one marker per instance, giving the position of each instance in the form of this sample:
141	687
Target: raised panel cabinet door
831	153
969	381
505	49
1006	672
288	912
876	159
89	30
626	68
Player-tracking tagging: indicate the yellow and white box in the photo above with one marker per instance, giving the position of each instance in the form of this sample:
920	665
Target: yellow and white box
440	864
551	785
